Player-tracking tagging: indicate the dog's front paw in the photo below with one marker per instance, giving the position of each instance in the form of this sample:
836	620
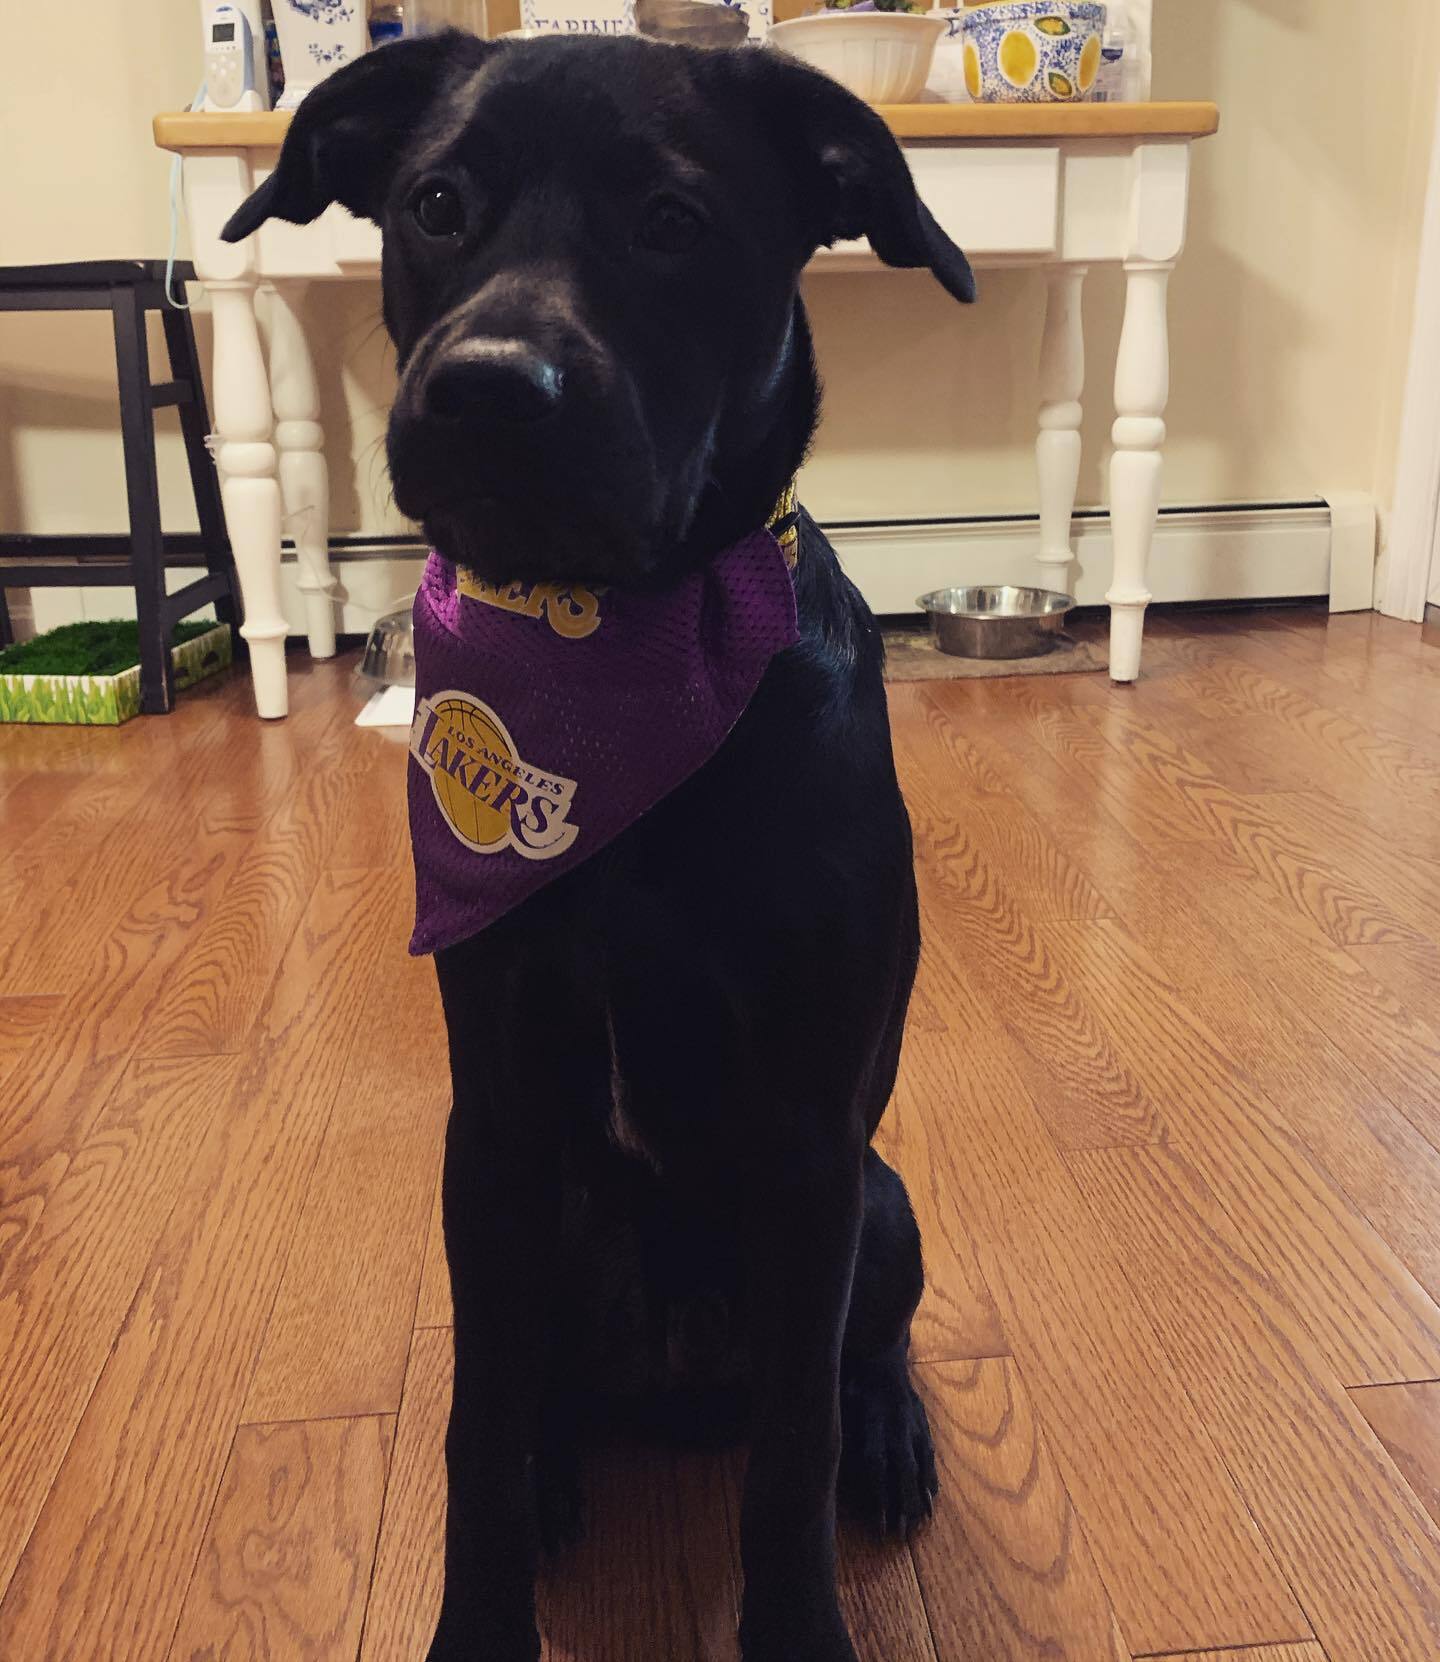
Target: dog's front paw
887	1460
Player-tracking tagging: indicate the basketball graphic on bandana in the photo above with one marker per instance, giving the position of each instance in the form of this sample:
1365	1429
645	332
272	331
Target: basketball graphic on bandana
465	730
489	797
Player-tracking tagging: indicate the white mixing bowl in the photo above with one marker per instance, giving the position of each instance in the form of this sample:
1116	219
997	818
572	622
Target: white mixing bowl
882	57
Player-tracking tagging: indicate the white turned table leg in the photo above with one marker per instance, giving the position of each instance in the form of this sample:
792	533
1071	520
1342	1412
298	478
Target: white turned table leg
244	427
304	477
1142	389
1057	449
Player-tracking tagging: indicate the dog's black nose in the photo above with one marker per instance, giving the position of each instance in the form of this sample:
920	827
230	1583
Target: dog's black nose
495	380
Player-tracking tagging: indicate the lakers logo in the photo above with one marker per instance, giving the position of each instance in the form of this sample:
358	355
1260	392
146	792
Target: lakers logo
490	798
572	611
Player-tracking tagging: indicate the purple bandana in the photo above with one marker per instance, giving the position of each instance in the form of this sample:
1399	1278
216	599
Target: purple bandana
549	717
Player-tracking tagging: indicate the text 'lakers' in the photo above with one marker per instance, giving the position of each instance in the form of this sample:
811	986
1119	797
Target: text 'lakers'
490	798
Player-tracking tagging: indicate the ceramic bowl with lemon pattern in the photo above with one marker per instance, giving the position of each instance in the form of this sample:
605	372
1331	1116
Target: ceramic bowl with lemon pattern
1033	51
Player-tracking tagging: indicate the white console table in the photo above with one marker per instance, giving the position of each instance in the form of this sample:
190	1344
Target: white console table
1060	186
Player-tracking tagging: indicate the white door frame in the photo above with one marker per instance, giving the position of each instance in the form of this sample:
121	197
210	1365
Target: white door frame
1412	560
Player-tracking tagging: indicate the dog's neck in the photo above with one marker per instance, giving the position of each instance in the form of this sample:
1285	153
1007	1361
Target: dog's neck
759	447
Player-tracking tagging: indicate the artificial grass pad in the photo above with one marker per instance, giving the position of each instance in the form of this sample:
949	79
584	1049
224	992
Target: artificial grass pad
88	648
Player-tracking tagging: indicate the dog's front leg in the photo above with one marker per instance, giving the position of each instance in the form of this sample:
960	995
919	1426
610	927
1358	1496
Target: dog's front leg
501	1208
802	1231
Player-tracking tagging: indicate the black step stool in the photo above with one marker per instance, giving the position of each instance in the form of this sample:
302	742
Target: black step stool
128	290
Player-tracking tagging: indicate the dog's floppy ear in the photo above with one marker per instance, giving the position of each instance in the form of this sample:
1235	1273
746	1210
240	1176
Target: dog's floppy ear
853	176
348	134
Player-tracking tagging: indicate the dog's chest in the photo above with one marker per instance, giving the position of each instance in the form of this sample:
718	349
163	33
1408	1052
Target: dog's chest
623	1132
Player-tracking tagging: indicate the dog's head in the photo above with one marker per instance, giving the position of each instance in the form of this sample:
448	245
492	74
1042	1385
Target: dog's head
591	252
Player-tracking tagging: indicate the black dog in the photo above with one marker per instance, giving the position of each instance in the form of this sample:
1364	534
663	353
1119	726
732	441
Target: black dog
668	1063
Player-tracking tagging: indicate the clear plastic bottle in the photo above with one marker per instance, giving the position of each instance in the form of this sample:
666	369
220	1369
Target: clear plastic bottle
1117	53
423	17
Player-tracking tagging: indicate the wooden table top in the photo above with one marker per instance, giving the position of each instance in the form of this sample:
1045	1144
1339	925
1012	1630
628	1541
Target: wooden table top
979	123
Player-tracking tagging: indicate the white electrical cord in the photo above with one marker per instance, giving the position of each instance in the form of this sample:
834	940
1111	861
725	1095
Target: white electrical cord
175	162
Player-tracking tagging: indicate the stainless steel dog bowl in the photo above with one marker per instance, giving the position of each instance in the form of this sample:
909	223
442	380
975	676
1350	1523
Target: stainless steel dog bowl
389	658
996	620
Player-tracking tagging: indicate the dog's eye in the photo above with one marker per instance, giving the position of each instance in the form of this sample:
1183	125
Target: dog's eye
438	211
670	226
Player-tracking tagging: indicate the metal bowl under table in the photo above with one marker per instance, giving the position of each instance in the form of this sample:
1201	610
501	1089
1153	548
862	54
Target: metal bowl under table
996	620
389	657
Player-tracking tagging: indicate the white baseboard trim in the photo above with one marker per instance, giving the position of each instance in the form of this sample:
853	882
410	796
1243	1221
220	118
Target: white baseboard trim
1224	554
1354	542
1259	553
1210	554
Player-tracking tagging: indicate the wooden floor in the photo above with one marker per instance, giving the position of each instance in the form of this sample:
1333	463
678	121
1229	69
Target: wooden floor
1170	1113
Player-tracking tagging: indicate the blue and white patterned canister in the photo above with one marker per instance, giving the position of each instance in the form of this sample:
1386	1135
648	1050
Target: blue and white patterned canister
316	38
578	17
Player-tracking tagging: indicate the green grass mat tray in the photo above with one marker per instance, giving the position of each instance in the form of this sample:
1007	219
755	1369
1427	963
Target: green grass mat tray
89	673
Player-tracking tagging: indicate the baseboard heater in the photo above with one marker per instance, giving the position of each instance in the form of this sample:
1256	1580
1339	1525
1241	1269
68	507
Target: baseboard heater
1251	551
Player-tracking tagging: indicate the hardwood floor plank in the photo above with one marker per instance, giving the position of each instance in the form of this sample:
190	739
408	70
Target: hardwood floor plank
656	1573
432	1308
26	751
1092	1099
23	1019
1158	793
1359	1549
71	1284
1368	678
35	866
52	955
337	743
1066	729
1394	1042
1387	864
1261	835
1263	1653
1234	954
957	1318
1372	1320
1306	1114
339	1335
410	1557
377	830
215	795
1411	971
881	1598
1006	1571
285	1568
1406	1418
1177	1549
1326	743
28	800
51	1106
1037	873
106	1567
208	1008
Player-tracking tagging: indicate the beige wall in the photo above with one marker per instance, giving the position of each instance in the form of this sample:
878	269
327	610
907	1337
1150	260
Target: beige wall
1290	312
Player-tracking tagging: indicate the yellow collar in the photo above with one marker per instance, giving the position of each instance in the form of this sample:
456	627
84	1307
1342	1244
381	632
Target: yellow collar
784	525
